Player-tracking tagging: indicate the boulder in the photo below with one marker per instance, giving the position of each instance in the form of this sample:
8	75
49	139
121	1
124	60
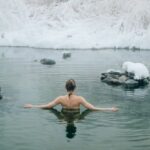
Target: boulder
123	79
144	82
115	72
66	55
137	71
111	81
130	83
46	61
111	77
126	79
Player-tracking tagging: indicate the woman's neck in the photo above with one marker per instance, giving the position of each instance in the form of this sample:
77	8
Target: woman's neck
71	93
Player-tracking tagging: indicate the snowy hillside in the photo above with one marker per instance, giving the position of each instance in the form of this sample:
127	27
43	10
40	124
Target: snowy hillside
75	23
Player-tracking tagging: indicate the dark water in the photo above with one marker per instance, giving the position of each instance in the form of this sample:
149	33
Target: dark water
24	80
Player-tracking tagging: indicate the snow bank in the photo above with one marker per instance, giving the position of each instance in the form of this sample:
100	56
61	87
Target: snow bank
138	69
75	23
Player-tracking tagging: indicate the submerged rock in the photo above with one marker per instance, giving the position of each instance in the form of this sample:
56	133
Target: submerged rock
46	61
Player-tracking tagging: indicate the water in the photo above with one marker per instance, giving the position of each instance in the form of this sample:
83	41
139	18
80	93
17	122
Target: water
24	80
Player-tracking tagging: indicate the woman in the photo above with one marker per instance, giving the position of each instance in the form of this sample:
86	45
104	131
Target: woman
70	101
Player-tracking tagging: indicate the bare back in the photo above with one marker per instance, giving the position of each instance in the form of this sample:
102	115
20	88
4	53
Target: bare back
70	102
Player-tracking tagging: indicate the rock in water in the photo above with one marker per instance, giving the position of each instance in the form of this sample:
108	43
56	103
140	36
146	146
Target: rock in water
111	77
131	83
66	55
128	79
123	79
138	70
46	61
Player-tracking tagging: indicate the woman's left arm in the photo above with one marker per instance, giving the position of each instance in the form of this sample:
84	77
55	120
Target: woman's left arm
92	107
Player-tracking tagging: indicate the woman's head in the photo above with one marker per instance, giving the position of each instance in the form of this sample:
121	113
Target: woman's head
70	85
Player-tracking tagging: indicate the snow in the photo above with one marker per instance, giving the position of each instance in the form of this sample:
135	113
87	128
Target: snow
75	23
140	71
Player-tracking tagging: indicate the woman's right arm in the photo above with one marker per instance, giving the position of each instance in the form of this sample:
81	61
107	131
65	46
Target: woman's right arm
45	106
92	107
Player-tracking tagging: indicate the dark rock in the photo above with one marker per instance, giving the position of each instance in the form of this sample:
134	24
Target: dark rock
111	76
66	55
143	82
130	83
111	81
130	75
115	76
46	61
103	76
123	79
126	79
115	73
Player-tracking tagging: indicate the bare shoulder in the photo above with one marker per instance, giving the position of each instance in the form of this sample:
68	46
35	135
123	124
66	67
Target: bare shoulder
61	97
58	99
81	99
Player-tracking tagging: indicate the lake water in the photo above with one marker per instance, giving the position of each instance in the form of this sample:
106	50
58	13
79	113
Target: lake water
24	80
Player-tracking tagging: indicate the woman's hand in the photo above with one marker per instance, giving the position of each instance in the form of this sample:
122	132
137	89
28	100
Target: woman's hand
28	106
114	109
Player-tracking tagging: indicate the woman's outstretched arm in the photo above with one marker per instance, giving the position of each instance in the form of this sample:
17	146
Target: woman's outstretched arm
45	106
92	107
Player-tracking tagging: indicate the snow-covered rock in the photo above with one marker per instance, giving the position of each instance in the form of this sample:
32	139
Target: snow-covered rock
134	75
139	70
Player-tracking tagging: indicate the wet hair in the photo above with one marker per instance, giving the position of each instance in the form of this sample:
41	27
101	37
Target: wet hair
70	86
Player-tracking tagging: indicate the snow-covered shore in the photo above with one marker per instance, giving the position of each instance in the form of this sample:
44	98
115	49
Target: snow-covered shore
75	23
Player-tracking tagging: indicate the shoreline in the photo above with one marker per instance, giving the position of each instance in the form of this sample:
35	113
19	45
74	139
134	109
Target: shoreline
80	49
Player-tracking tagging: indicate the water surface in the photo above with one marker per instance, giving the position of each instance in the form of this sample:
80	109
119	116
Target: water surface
24	80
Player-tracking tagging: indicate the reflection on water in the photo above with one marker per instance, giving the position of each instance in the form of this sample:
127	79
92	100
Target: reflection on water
70	130
70	116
